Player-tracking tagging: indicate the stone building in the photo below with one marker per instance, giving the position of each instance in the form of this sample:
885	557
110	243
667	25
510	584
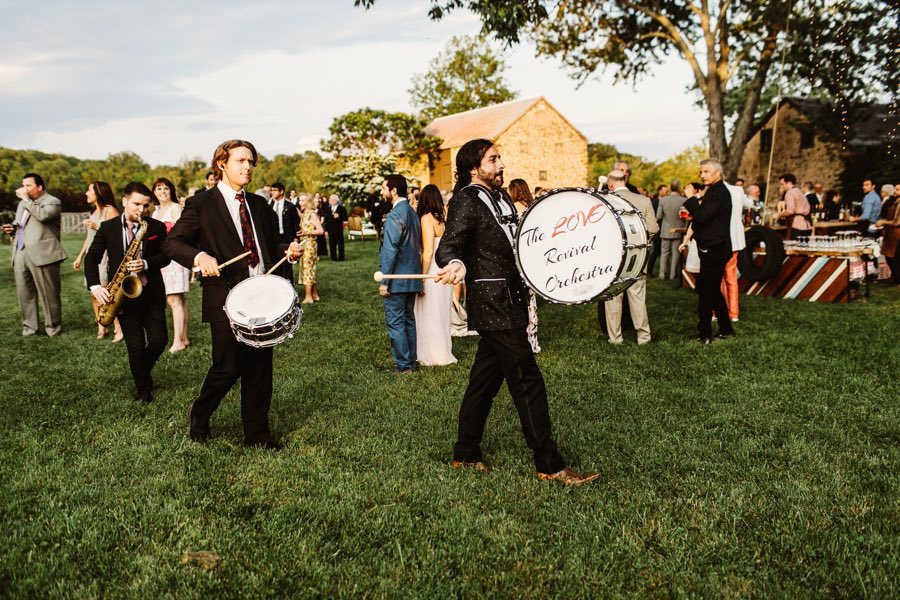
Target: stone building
798	147
535	141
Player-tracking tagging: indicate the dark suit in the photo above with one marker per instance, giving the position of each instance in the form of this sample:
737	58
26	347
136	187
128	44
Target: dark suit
290	225
206	225
712	232
147	312
498	310
334	227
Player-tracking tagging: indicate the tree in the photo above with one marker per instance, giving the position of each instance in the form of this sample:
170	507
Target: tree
467	74
370	131
731	46
360	173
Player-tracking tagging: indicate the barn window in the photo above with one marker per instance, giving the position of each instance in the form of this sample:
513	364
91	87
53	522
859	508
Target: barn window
765	140
807	138
542	175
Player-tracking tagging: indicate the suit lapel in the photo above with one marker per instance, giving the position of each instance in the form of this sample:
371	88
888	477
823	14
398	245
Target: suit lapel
225	216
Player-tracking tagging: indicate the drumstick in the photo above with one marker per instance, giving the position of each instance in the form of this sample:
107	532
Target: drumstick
276	265
227	262
379	276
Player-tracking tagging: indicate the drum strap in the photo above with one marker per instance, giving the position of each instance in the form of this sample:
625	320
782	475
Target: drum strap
505	220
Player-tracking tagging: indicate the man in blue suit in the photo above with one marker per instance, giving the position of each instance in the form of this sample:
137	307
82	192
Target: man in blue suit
401	253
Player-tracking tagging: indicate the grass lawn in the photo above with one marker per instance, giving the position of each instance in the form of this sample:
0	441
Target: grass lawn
766	465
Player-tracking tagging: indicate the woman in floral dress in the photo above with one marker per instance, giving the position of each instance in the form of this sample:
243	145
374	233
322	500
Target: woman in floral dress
310	230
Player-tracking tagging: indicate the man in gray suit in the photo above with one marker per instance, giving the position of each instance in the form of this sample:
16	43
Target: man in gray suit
637	292
401	253
668	215
37	254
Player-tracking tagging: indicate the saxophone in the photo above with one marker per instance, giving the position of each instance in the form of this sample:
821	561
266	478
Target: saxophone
123	283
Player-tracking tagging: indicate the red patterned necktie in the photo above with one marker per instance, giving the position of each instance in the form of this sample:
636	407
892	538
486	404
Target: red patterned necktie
247	231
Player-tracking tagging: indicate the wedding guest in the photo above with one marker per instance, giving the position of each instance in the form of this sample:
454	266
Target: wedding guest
310	230
522	199
100	198
432	310
177	279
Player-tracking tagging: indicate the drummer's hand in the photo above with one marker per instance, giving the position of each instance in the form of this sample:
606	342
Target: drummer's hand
452	274
294	252
209	266
382	289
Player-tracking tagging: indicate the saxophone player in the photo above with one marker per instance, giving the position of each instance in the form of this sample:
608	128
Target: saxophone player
144	314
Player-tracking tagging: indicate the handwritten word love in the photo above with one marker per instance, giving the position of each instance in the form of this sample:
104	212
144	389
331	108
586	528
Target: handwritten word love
579	219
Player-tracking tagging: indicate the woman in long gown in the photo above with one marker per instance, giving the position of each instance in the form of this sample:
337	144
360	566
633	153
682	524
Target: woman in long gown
522	198
176	278
433	345
100	198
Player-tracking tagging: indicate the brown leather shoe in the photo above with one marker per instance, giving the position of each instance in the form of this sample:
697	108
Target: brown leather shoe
569	477
478	465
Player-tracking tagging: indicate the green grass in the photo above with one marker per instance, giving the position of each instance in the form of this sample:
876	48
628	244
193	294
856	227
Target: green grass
763	466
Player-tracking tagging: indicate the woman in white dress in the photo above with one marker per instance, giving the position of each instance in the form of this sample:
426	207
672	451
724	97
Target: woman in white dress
433	345
100	198
176	278
522	198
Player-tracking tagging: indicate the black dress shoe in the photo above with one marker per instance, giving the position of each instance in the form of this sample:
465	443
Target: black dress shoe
705	340
145	396
725	336
265	445
199	432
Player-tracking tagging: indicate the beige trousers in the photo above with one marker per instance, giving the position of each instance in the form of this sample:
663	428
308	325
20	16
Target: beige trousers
637	305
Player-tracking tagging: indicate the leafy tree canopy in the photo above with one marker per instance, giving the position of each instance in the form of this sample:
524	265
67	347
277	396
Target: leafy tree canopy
369	131
733	48
467	74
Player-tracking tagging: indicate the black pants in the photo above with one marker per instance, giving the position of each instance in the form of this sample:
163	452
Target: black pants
140	315
507	355
336	245
231	361
895	268
709	280
321	246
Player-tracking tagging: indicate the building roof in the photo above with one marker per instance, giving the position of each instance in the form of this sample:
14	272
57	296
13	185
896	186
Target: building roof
489	122
872	122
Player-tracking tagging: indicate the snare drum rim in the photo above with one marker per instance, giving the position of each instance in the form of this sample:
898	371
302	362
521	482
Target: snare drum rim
276	319
597	194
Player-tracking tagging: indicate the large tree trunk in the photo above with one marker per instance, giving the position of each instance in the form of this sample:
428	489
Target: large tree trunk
715	124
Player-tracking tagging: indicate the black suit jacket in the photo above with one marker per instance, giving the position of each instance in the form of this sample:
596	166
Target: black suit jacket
495	293
711	218
335	226
206	225
109	239
290	220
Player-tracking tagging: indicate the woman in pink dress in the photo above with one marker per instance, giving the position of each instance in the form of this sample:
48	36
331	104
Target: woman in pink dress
176	278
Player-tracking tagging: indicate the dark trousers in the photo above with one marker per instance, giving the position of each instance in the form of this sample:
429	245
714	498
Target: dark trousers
895	268
507	355
140	315
712	269
336	245
321	246
231	361
400	316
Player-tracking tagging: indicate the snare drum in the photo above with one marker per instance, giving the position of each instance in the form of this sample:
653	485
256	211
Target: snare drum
575	245
264	311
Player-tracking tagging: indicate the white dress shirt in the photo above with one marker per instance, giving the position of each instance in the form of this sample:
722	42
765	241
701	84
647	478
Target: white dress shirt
278	207
234	208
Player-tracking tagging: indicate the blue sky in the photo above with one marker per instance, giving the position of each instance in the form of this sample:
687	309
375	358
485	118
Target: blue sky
91	78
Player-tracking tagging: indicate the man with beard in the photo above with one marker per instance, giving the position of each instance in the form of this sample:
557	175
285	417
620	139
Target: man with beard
477	246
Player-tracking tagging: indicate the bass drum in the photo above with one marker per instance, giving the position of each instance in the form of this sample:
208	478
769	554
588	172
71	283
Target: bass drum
577	245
